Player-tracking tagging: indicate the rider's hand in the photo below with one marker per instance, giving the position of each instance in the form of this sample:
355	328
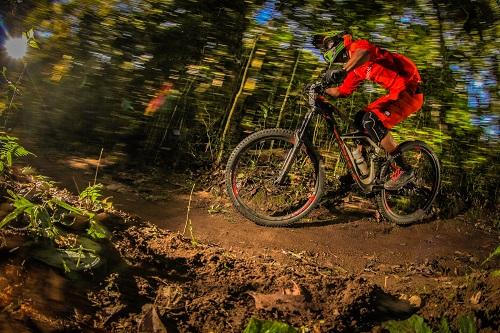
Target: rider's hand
333	76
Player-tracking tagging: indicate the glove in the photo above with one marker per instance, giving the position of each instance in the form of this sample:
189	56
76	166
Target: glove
333	76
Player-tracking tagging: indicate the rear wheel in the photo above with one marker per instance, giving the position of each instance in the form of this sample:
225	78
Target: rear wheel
252	171
413	201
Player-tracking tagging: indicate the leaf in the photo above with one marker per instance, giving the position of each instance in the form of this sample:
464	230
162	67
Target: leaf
89	245
92	193
20	151
68	207
33	44
414	324
493	254
97	230
12	215
466	324
268	326
10	148
30	33
444	327
67	259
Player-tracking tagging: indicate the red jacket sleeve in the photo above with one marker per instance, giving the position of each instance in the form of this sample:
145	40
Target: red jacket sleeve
351	82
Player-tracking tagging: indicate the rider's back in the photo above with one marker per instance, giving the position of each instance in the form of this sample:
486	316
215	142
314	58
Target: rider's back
393	71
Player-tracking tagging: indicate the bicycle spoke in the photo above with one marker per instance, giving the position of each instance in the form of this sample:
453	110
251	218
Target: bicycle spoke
255	174
410	203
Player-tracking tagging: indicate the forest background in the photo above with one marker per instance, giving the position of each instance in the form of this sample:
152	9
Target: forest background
176	84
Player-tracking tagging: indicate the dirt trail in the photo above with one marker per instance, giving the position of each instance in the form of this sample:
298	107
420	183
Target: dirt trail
343	271
349	236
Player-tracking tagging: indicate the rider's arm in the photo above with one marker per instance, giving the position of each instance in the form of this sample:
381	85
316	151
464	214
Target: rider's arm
334	91
360	54
358	57
350	83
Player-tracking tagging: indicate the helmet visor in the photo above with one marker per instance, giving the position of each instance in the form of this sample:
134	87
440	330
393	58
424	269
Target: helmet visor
333	53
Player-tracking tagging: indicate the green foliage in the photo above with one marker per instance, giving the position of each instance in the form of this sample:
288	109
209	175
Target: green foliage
496	272
68	207
97	230
414	324
69	259
30	36
9	150
466	324
96	86
21	204
493	254
42	218
216	208
444	326
38	217
92	193
268	326
91	197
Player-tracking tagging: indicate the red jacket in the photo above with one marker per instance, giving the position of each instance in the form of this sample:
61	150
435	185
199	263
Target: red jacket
393	71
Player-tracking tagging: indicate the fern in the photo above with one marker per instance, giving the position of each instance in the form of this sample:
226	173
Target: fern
9	150
92	193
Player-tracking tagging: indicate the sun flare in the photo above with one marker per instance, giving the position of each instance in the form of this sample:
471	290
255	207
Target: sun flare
16	47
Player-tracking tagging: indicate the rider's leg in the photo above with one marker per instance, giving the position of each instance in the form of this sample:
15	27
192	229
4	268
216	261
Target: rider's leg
388	143
369	123
390	113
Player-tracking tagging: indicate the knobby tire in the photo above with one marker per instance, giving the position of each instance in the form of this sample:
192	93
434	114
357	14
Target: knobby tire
253	166
413	202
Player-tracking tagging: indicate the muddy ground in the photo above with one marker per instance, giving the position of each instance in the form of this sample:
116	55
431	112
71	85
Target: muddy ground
344	270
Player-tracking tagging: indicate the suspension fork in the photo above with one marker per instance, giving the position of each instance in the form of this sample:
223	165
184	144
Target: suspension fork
299	140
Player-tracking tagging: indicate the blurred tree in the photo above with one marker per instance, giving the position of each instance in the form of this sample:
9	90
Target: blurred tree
102	62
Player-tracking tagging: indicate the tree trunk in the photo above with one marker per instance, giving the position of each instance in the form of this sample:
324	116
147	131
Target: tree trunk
235	101
278	123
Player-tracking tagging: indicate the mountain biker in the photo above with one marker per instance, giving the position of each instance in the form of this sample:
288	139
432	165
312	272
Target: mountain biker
363	60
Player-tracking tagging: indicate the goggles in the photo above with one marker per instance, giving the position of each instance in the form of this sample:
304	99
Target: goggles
333	52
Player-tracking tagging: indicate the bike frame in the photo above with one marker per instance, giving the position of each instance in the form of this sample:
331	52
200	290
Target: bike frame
319	105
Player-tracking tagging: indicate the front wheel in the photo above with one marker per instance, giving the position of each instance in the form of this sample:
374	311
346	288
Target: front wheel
252	172
413	201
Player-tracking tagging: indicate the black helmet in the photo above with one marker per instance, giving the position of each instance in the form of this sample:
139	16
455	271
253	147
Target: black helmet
331	46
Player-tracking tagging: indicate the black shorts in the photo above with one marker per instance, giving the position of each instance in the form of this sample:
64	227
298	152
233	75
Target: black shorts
368	123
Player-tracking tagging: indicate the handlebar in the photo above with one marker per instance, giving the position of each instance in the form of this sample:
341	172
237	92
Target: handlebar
312	92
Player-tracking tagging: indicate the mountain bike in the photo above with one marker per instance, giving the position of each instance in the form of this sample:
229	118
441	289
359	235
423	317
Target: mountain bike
276	177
